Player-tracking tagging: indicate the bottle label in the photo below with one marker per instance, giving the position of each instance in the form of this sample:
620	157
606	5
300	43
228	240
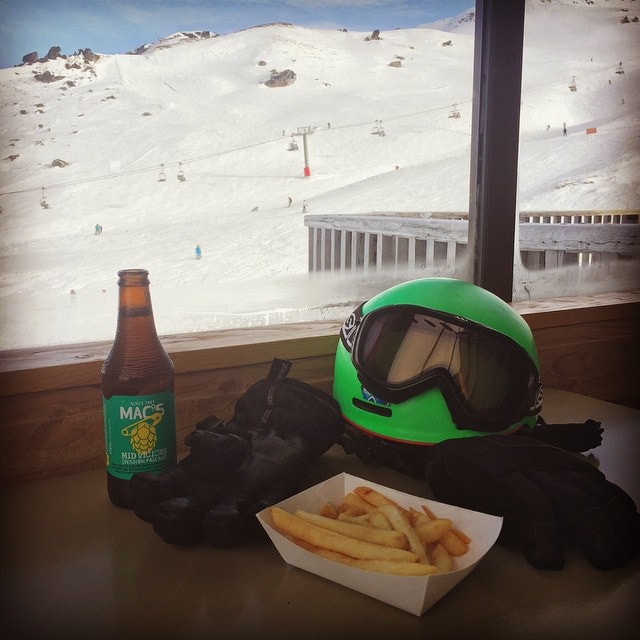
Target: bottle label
139	434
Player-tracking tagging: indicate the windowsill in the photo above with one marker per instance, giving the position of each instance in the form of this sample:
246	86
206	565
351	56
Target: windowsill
36	369
569	310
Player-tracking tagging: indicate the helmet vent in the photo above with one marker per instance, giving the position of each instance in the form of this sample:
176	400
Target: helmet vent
372	408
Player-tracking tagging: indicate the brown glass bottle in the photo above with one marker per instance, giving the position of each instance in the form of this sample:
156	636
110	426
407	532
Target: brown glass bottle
138	393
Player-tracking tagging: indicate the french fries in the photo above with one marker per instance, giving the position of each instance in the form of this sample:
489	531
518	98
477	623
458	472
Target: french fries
372	497
398	568
315	535
353	503
389	538
367	530
401	524
441	558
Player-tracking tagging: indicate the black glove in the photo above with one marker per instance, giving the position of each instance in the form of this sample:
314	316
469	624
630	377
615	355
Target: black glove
176	501
271	472
544	493
410	459
233	471
576	437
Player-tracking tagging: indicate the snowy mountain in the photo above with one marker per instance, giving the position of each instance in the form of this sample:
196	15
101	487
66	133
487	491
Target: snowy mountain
94	136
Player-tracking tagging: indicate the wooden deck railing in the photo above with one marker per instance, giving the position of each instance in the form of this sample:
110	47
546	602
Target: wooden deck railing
415	240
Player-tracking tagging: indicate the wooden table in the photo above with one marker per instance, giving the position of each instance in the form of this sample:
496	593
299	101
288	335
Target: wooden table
74	566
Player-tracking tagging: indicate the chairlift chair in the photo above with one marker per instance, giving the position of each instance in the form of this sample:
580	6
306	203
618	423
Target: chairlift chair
293	145
620	70
377	130
572	85
162	176
455	113
43	201
181	175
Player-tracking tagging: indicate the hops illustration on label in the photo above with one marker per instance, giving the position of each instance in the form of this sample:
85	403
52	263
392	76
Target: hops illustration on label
143	434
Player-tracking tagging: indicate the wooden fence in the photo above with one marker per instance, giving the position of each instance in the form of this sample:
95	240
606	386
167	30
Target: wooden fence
415	240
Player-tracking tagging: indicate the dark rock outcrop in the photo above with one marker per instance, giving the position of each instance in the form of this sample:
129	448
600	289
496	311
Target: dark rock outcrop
30	58
88	55
47	77
281	78
54	53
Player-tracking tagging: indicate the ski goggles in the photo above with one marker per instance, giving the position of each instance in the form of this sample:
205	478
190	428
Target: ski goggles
488	381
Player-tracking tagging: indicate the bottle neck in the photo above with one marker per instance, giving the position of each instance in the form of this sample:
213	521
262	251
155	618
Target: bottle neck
134	301
135	313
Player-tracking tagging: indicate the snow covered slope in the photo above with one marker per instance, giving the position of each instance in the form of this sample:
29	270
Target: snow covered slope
201	106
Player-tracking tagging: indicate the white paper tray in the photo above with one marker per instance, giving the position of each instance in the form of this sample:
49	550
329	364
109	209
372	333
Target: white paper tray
414	594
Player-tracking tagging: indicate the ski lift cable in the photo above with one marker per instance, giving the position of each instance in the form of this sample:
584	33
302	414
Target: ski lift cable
601	69
188	161
201	158
154	168
140	170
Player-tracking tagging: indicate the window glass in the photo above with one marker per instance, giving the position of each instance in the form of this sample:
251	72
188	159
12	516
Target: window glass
579	195
284	174
271	175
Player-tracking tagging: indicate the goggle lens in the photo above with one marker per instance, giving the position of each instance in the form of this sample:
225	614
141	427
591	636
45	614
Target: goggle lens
399	351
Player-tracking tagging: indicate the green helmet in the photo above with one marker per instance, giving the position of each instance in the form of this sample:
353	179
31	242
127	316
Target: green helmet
436	358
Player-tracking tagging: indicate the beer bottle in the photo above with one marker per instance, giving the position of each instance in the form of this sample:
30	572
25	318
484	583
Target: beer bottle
138	393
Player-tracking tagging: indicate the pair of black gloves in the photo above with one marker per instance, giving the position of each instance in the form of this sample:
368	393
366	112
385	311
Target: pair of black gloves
546	493
235	470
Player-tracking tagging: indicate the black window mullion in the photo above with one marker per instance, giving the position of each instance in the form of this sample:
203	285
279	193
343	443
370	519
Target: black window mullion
499	36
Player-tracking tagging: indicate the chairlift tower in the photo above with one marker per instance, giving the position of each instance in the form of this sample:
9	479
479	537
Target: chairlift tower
305	132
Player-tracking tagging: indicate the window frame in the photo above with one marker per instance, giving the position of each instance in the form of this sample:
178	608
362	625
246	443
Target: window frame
495	131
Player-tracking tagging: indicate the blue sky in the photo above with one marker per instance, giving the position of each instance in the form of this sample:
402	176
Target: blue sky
118	26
